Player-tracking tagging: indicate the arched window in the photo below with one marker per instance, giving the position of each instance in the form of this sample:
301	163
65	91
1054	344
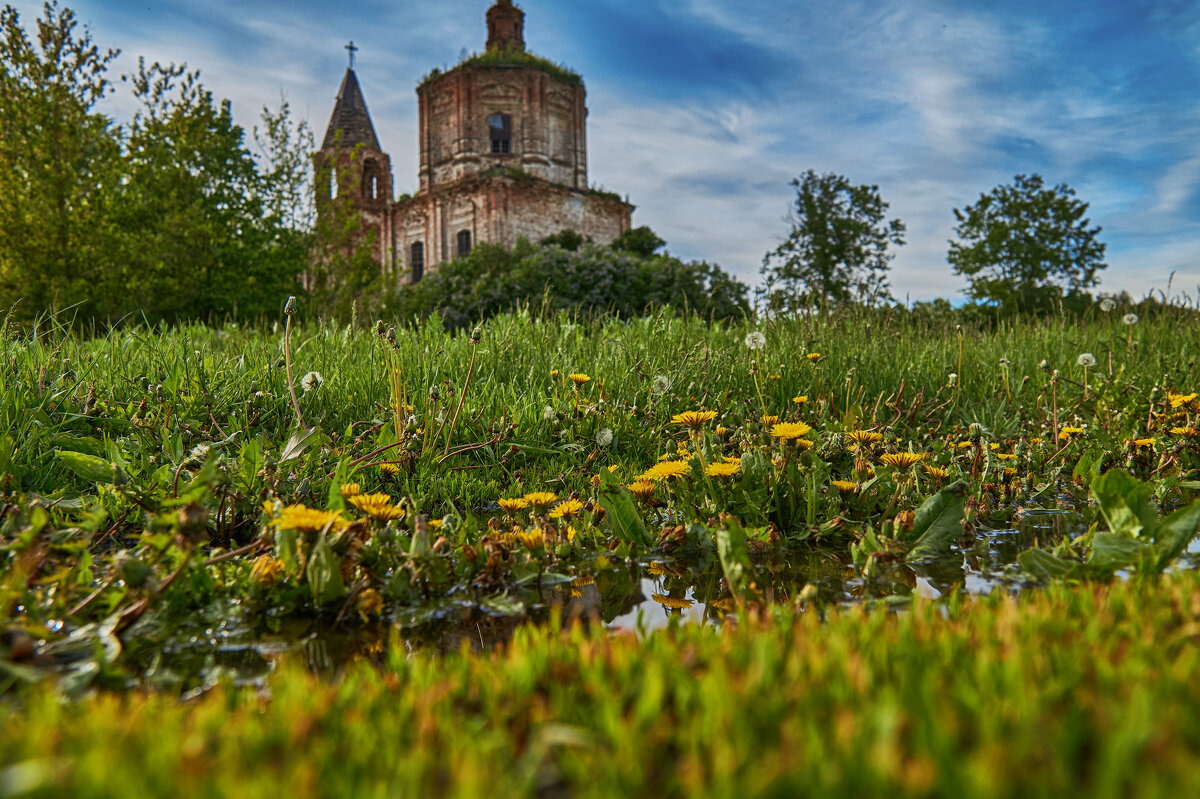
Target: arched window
370	183
333	184
417	260
464	243
500	126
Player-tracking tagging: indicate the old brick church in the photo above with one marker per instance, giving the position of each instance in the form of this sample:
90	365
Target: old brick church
503	154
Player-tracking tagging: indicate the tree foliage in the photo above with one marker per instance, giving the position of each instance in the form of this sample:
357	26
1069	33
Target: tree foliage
838	248
167	216
591	278
1025	246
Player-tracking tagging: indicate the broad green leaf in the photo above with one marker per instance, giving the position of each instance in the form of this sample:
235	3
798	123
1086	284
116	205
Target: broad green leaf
1114	551
89	467
1042	565
1088	467
324	576
1126	504
937	524
299	441
622	517
735	557
1174	533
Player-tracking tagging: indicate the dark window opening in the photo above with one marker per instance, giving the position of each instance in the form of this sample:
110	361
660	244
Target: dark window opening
464	243
501	130
417	260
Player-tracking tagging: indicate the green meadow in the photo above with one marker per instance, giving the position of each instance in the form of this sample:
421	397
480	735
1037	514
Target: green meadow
913	551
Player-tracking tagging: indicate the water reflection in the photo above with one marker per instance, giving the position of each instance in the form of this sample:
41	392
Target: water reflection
634	595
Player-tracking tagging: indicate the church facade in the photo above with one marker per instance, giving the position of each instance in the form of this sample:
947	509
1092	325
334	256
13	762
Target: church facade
503	155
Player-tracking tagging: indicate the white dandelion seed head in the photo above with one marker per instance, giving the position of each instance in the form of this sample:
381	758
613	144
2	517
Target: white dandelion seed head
1086	360
549	414
605	437
661	384
953	378
1107	305
311	382
756	340
1130	319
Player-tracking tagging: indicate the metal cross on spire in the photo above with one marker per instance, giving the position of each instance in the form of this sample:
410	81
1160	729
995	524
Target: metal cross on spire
350	48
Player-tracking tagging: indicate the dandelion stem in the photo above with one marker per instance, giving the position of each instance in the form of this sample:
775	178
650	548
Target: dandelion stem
287	360
461	397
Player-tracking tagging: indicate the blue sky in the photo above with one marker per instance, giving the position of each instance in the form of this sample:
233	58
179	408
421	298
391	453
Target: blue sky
702	111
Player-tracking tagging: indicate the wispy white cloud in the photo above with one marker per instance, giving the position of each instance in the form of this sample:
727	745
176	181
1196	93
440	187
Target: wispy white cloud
935	101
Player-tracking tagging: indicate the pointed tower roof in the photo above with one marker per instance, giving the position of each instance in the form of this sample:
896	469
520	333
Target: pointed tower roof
350	116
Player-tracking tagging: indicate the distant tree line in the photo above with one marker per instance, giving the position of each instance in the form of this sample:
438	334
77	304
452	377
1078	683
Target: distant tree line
1023	248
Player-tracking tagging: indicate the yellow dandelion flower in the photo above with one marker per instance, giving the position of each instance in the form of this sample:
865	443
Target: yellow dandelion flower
1065	433
775	377
1179	400
300	517
1143	442
389	468
579	378
672	602
584	579
541	500
266	570
936	472
693	419
845	486
532	539
1187	432
768	419
802	444
722	469
863	437
351	490
436	523
963	444
800	400
641	488
566	509
656	569
377	506
790	430
721	431
576	593
369	603
1035	441
725	604
1006	456
813	356
553	373
664	471
902	460
993	447
514	504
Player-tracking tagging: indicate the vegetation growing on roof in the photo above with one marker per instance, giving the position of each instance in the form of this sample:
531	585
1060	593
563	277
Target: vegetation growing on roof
513	58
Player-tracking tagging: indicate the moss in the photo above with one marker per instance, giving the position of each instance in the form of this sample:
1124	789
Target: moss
513	58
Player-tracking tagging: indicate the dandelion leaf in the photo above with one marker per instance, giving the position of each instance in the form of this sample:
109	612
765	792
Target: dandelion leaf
938	522
1045	566
1114	551
90	467
734	555
1174	534
298	443
1125	503
622	517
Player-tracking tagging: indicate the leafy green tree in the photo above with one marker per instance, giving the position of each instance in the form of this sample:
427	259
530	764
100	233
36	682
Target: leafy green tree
59	163
838	248
1024	246
639	240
